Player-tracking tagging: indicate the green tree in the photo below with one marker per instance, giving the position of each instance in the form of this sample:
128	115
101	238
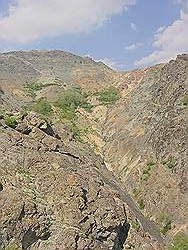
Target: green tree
42	106
109	96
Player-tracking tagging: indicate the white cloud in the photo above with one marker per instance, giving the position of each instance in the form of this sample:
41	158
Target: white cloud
112	64
134	47
169	41
30	20
134	27
184	3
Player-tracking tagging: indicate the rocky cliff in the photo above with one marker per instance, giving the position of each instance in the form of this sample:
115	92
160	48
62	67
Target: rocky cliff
91	158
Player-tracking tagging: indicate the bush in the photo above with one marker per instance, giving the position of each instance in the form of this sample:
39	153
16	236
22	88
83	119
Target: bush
147	171
170	163
11	121
180	242
42	106
166	222
70	100
108	96
141	204
135	225
31	88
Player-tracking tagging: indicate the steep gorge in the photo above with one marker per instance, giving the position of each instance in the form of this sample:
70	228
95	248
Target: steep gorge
72	198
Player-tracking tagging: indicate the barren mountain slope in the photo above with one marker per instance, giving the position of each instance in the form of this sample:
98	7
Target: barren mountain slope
77	170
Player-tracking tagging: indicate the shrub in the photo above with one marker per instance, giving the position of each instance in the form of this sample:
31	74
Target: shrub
166	222
26	174
147	171
11	121
136	192
135	225
42	106
141	204
31	88
70	100
108	96
170	163
180	242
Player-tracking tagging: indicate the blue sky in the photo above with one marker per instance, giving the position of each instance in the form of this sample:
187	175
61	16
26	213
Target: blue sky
145	33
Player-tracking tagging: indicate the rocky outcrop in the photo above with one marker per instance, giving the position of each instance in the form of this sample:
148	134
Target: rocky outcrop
51	196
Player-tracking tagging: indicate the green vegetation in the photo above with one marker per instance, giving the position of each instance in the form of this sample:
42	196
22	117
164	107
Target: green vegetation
43	107
147	171
185	100
136	192
108	96
12	247
78	133
180	242
26	174
70	100
10	121
31	88
166	223
141	204
135	225
170	163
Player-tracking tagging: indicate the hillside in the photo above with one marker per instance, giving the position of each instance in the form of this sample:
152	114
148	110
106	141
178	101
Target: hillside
92	158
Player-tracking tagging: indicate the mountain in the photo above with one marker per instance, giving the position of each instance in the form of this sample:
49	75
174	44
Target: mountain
92	158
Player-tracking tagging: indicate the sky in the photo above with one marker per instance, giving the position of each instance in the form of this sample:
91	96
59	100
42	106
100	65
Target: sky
124	34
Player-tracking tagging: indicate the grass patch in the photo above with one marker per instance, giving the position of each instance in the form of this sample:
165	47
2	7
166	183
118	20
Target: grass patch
147	171
108	96
10	121
26	174
180	242
141	204
135	225
166	223
32	88
78	132
136	192
170	163
42	106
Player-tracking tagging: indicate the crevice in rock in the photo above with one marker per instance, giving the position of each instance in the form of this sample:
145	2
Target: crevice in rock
122	234
84	219
84	197
76	241
29	239
22	213
1	187
48	130
65	153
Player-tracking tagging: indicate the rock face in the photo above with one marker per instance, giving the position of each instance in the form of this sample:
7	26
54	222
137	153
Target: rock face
51	196
124	188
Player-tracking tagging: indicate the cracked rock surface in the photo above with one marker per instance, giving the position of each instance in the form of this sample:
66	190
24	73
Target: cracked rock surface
51	197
